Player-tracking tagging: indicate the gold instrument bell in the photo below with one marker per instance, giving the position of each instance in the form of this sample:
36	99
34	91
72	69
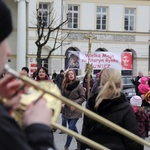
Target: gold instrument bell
33	96
147	97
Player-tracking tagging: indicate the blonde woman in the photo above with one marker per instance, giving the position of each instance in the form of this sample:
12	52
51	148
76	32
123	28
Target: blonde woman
111	104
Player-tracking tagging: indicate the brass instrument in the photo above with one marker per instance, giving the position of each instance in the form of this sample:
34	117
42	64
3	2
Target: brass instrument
147	97
54	99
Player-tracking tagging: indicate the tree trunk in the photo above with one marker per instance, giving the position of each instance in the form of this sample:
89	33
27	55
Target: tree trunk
39	60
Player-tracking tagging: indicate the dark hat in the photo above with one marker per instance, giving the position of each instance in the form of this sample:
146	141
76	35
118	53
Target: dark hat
5	21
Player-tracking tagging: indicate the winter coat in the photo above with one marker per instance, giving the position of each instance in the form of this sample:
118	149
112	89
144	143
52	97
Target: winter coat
118	111
34	137
145	103
75	92
54	77
143	86
95	87
143	121
58	80
136	82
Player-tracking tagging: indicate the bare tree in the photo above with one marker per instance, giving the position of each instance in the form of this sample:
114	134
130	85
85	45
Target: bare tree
45	33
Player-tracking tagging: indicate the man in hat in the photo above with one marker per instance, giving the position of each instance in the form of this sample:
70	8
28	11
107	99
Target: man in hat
36	119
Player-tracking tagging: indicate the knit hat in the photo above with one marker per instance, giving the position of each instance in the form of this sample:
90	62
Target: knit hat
5	21
136	101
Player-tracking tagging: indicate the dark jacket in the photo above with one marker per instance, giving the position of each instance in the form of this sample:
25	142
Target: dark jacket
136	83
85	84
119	112
34	137
59	79
54	77
75	93
95	87
143	121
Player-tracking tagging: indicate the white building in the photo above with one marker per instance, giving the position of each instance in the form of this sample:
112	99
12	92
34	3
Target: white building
117	25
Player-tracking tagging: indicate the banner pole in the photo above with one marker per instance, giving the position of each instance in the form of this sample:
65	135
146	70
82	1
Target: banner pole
88	67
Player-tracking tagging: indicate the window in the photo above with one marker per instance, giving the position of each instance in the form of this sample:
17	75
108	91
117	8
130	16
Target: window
129	19
44	14
101	18
73	16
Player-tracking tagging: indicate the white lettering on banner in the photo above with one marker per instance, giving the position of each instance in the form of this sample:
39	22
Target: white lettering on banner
101	60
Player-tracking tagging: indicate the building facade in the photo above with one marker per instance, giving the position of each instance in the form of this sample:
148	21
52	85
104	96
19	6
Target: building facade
117	26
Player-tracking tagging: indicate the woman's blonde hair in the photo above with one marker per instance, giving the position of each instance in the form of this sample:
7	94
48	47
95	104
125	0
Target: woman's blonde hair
110	85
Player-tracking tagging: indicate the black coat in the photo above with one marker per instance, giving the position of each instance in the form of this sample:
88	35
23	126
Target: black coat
136	83
59	80
119	112
34	137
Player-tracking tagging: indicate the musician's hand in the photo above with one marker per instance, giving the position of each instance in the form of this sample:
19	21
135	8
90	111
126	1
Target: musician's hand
37	113
8	86
8	90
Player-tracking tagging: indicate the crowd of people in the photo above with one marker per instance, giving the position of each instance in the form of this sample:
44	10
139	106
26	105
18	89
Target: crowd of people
36	133
142	87
106	100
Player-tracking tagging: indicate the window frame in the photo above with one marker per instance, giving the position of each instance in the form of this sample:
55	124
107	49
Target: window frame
130	23
101	13
43	10
73	15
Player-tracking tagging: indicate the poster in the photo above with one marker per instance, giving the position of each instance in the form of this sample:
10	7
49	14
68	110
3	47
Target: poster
73	59
32	66
100	60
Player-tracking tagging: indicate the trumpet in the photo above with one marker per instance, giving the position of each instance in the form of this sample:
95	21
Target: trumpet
54	100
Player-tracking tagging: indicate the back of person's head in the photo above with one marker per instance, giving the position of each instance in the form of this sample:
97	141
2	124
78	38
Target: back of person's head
61	71
110	85
140	73
86	77
26	69
5	21
136	100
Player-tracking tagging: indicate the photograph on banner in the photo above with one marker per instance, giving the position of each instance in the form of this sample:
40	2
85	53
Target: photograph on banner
126	61
73	59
